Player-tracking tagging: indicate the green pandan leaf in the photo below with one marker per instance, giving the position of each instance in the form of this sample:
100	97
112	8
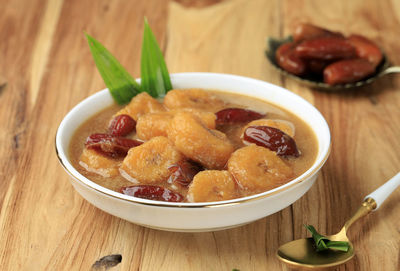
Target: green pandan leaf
323	243
154	73
121	84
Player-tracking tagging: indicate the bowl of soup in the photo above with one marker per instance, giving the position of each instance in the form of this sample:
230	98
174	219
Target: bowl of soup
218	151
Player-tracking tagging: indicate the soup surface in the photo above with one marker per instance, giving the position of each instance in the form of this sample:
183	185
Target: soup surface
193	146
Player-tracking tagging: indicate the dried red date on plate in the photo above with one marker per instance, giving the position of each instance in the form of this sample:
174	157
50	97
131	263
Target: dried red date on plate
184	172
317	66
305	31
152	192
121	125
366	49
237	115
288	60
348	71
325	48
271	138
110	145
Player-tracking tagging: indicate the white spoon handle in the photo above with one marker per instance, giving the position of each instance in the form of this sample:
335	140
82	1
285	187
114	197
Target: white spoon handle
380	194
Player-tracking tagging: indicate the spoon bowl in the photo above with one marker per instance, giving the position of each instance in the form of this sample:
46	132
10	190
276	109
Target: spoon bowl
317	82
302	253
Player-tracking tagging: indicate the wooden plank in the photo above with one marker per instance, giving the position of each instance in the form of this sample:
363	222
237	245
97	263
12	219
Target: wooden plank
16	28
42	46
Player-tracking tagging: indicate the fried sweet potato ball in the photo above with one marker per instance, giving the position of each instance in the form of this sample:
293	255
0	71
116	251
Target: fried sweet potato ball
156	124
100	164
212	185
193	98
211	148
258	169
149	163
141	104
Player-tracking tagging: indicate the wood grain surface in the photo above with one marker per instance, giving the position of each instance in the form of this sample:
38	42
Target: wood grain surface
45	60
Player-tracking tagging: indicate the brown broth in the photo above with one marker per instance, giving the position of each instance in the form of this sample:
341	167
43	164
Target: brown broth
304	137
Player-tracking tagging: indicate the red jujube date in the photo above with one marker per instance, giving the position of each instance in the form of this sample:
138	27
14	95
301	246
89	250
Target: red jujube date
121	125
184	172
366	49
273	139
152	192
325	48
288	60
348	71
316	66
110	145
305	31
237	115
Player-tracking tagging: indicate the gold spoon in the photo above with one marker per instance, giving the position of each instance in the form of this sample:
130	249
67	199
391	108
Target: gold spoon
301	253
383	69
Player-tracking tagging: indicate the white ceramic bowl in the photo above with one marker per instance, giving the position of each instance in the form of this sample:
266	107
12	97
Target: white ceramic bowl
198	216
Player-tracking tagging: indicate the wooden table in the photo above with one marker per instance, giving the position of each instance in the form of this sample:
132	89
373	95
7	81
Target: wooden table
45	59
